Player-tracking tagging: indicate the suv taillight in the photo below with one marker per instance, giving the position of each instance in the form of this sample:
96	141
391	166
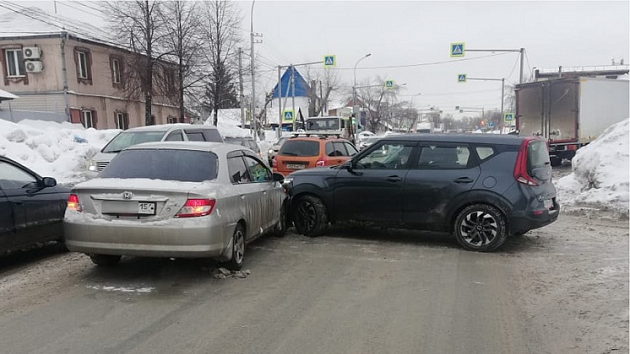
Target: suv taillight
520	168
73	203
196	207
320	163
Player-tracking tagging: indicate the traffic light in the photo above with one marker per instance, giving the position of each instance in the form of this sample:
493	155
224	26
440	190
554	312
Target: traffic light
457	108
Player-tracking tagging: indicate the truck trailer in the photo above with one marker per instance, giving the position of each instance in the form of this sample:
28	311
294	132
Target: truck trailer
570	112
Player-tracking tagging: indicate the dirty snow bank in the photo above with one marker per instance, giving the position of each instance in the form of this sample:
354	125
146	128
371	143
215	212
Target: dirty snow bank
600	172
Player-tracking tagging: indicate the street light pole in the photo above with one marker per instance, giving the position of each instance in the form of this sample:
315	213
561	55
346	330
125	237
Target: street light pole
355	109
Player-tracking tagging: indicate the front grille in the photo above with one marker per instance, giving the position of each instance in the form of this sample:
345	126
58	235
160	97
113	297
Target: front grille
100	166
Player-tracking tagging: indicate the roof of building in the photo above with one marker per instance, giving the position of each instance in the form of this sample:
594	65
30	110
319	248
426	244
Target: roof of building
301	86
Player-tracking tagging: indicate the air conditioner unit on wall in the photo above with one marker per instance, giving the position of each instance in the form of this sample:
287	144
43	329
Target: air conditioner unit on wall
31	52
34	66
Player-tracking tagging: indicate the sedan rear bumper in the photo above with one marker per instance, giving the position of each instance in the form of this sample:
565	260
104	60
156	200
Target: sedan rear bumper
180	240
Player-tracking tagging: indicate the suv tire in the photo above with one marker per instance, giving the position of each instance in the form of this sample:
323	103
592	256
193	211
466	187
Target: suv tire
310	217
480	227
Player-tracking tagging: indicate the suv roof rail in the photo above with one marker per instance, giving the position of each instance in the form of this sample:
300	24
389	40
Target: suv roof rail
320	133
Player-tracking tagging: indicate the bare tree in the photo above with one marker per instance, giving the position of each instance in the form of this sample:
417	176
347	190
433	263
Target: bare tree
181	26
376	99
137	24
220	29
318	97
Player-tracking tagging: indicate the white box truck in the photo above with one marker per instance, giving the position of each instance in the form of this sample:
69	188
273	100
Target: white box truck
570	112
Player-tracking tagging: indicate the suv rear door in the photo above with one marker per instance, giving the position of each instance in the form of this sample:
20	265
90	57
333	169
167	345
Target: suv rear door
441	175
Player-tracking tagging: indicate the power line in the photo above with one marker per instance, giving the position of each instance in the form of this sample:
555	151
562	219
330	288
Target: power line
66	3
421	64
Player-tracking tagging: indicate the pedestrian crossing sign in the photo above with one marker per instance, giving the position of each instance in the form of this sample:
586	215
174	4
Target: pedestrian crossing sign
287	115
329	61
389	84
457	50
461	77
508	117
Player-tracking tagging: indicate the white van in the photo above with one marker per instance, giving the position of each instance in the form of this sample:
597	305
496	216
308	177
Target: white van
166	132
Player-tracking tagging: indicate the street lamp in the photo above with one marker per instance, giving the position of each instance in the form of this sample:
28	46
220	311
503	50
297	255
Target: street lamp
355	109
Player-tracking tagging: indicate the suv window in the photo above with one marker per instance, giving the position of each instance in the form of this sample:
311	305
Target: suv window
170	165
537	155
338	149
387	156
351	149
299	148
12	177
484	152
195	136
444	156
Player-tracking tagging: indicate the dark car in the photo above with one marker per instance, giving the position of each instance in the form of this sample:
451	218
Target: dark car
31	207
482	188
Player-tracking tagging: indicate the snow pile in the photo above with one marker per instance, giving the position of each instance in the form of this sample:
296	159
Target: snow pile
600	172
59	150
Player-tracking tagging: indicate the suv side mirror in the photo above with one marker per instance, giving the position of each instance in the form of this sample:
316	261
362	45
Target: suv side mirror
347	165
49	182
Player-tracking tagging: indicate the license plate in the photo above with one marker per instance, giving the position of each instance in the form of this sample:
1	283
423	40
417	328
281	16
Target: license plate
548	203
295	166
146	208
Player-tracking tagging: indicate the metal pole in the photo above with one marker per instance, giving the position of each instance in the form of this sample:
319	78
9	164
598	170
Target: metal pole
522	61
293	96
502	95
279	102
355	111
240	84
251	36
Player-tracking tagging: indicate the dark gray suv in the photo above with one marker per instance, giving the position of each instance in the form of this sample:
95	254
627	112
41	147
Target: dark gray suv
482	188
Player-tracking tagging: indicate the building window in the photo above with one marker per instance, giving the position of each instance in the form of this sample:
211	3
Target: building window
88	119
171	120
121	121
15	62
83	66
116	71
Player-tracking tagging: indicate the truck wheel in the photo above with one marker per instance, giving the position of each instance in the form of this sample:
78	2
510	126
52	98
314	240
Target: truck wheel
480	227
310	217
555	161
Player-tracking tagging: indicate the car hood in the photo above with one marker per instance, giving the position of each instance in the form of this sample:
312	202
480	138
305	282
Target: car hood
317	171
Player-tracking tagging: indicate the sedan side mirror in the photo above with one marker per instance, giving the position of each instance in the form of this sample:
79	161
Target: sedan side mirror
49	182
277	177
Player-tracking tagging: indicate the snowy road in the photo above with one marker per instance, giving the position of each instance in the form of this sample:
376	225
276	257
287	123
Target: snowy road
561	289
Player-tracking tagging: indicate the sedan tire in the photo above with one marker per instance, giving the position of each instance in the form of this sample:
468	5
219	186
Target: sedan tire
480	227
310	216
238	249
105	260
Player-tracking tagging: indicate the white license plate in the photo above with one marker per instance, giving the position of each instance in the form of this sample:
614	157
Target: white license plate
146	208
295	166
548	203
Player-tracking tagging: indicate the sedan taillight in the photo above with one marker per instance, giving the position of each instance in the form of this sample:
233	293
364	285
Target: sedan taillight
196	207
73	203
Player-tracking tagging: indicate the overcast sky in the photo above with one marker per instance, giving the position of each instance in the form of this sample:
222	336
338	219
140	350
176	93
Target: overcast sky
401	35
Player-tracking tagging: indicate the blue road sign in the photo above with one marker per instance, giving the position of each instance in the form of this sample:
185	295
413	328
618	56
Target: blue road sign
329	61
461	77
491	124
508	117
457	50
287	115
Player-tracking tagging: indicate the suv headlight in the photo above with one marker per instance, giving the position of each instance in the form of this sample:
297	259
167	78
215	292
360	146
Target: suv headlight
92	166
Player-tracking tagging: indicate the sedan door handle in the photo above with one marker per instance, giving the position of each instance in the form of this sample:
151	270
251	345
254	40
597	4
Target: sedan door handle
464	180
394	179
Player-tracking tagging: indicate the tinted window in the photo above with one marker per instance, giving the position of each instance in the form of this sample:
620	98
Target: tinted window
195	136
171	165
175	136
299	148
127	139
257	170
436	157
537	155
387	156
237	170
12	177
338	149
212	135
329	149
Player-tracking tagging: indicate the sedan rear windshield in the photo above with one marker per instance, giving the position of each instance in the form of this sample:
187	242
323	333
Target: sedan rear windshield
127	139
299	148
169	165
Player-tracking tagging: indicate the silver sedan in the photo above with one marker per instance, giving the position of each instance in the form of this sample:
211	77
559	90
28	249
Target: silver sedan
192	200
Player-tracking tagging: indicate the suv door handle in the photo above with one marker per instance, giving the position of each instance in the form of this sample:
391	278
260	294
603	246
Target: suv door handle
394	179
463	180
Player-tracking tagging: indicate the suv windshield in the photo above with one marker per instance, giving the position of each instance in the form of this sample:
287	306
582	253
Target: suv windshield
299	148
169	165
127	139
